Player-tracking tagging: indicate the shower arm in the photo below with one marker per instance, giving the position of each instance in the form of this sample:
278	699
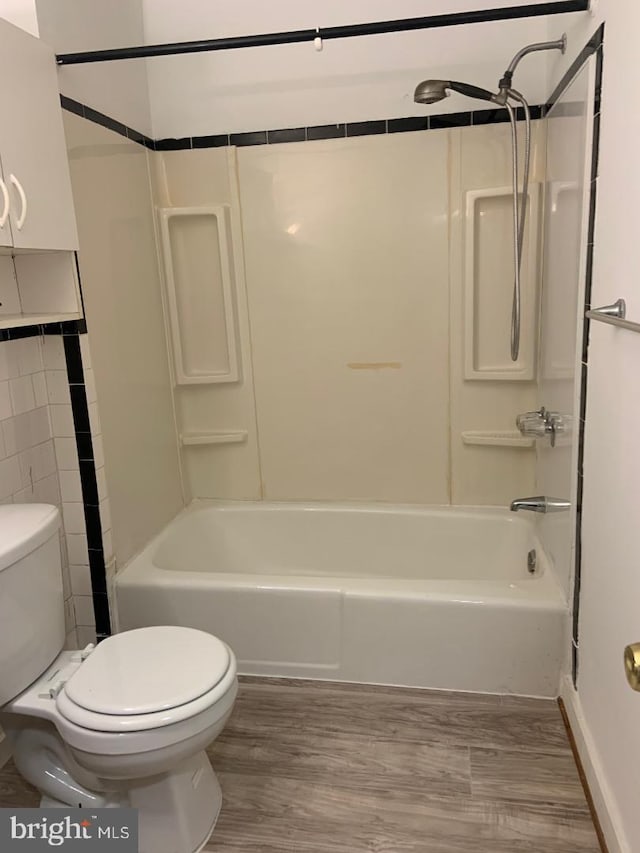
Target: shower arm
507	78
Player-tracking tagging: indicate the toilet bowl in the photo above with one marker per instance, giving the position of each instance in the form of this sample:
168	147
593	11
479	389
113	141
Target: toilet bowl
124	723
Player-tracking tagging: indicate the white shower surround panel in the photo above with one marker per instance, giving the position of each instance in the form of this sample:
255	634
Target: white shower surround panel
387	594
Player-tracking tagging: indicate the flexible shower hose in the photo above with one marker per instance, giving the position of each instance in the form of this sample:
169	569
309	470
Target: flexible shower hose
519	213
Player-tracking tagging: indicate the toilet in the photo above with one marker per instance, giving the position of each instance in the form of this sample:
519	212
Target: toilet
122	724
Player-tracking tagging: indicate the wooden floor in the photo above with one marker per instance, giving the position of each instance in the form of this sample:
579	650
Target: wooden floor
328	768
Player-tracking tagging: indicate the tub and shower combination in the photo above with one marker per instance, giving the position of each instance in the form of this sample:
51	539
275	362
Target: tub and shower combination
451	598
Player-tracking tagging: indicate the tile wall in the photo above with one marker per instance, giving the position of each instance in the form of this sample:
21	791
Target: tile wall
28	466
39	459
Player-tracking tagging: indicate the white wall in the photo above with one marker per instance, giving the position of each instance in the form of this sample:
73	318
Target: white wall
350	80
347	267
117	89
282	86
611	548
22	13
350	323
122	298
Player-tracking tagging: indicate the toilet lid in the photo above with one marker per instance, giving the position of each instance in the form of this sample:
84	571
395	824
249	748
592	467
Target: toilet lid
148	670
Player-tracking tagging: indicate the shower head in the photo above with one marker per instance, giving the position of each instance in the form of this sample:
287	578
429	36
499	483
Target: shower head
432	91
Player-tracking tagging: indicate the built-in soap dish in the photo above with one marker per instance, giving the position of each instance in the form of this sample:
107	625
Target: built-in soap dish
497	438
194	439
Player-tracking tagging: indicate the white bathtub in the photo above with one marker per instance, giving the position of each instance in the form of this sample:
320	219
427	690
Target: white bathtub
403	595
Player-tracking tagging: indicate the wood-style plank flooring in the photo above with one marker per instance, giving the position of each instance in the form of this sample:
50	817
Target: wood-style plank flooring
330	768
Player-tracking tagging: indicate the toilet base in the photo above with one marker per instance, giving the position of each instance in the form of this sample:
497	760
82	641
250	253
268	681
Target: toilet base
177	812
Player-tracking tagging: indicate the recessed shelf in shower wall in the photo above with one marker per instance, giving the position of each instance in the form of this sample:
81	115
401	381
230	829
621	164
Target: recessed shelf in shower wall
488	285
199	277
497	438
194	439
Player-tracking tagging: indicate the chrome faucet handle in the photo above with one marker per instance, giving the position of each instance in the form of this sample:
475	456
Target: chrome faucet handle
532	423
542	423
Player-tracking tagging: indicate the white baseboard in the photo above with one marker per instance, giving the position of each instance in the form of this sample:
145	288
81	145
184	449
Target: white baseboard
601	795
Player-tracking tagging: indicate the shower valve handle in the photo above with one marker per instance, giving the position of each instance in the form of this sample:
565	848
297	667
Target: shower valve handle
542	423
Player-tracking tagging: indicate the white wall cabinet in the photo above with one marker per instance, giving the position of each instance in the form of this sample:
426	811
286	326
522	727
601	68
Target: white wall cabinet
38	236
36	205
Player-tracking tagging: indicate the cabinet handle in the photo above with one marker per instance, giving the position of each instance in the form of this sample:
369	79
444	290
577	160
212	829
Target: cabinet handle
23	198
5	209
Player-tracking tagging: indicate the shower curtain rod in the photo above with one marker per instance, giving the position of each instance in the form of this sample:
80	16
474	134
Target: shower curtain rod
529	10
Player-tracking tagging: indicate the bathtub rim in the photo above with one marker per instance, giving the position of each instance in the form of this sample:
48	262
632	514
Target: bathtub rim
542	591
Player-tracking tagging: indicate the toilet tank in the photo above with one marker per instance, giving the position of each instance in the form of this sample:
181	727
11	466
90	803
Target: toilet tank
32	630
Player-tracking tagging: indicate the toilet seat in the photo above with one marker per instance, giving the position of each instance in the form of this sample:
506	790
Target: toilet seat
145	679
198	716
78	675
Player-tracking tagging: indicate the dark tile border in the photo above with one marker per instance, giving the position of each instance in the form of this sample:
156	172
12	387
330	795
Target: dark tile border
293	134
97	117
448	120
88	481
407	125
594	45
70	331
254	137
172	144
366	128
219	140
69	327
304	134
326	131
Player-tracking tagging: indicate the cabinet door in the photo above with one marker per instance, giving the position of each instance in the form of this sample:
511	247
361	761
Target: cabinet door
6	237
32	144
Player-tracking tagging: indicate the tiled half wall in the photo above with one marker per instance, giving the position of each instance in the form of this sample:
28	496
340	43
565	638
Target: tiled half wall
46	380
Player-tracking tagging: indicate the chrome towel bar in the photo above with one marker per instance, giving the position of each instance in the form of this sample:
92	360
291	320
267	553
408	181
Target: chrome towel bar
614	315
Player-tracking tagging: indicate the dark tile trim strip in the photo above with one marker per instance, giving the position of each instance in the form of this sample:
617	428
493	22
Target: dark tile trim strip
88	479
254	137
594	44
406	125
366	128
69	327
97	117
326	131
293	134
104	120
172	144
220	140
72	106
500	116
448	120
302	134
